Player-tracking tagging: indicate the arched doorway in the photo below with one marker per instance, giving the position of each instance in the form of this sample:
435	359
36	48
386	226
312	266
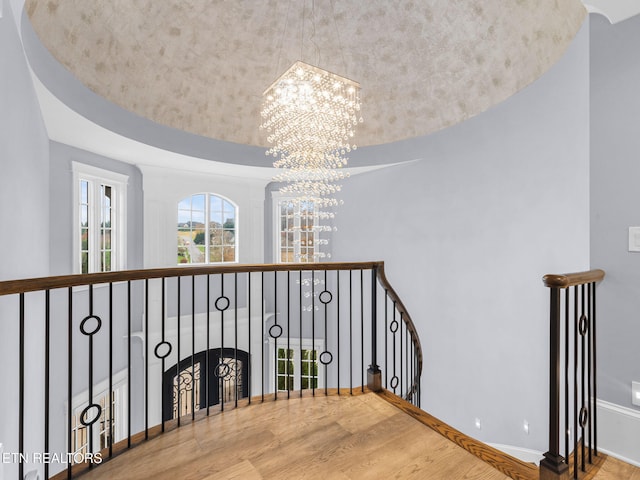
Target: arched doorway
227	377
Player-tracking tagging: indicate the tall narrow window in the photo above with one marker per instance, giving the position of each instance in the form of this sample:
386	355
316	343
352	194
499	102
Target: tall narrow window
298	227
286	369
207	229
100	211
297	368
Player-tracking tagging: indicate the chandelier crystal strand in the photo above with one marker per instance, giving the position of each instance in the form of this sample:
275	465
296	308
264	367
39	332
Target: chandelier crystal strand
310	116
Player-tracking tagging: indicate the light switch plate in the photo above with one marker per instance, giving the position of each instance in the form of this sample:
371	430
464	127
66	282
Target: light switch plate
634	239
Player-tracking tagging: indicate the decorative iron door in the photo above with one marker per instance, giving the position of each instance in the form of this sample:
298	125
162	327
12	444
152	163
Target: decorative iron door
188	390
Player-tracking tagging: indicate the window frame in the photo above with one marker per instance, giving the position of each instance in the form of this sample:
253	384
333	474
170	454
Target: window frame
277	200
207	213
118	182
297	347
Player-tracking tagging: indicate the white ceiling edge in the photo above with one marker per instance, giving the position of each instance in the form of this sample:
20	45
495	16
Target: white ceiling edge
613	10
66	126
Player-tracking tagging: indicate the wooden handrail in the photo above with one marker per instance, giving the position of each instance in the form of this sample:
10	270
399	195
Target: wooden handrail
382	278
10	287
572	279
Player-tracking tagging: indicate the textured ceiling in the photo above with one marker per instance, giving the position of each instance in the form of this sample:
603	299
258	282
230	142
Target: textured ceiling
202	65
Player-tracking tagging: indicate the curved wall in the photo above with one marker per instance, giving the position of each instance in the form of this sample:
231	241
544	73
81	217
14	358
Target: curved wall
24	216
468	230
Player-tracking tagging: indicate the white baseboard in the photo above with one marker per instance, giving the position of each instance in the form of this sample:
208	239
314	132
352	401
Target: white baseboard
619	432
618	436
524	454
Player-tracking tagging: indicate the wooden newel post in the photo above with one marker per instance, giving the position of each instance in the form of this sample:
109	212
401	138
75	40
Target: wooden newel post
374	376
553	466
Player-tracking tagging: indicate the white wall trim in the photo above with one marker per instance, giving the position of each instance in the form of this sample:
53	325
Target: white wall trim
525	454
619	432
618	436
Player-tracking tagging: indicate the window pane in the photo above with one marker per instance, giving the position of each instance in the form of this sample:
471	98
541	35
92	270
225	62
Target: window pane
197	203
198	236
216	218
105	239
229	237
84	191
229	254
84	239
84	216
85	262
215	237
229	221
286	255
197	219
184	240
215	254
106	195
106	262
215	203
184	218
185	204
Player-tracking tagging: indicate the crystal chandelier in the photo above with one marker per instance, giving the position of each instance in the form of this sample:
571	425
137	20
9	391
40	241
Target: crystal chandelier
310	116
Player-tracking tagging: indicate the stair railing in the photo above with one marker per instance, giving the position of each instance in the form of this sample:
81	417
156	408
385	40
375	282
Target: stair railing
572	374
106	361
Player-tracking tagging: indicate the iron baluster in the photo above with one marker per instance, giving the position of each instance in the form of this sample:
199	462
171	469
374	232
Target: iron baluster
193	346
69	377
21	388
207	357
146	360
595	389
47	352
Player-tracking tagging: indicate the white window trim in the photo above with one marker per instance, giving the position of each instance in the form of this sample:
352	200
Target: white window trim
119	182
206	214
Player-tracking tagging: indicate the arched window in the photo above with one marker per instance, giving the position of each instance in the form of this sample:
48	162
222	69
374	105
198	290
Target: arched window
207	228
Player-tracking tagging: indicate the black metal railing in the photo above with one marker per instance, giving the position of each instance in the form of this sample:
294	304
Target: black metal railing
108	360
572	372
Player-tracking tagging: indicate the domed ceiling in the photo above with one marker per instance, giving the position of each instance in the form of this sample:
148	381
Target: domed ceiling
202	65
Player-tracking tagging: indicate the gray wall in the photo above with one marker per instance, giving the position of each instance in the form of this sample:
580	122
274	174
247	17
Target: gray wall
468	231
61	206
615	201
24	215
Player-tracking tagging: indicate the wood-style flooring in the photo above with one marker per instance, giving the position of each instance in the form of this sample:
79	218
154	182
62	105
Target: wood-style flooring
326	437
323	437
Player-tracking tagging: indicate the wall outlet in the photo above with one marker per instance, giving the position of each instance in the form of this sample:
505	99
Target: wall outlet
635	393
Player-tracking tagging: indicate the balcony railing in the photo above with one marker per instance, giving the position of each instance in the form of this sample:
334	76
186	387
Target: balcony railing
105	361
572	373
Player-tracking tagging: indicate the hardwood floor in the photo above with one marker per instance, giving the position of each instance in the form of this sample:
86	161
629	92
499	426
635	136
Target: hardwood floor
333	437
613	469
369	436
